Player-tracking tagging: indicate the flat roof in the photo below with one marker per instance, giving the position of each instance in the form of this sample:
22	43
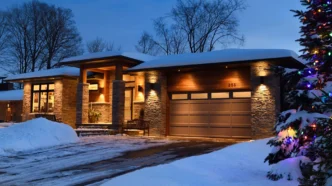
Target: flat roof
64	71
11	95
107	55
221	56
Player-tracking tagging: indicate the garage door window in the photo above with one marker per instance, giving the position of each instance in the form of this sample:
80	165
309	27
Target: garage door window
242	94
220	95
179	96
199	96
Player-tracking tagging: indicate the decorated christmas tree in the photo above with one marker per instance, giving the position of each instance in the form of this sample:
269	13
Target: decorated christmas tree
303	135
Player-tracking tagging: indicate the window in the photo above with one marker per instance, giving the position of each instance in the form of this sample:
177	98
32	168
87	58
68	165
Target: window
42	98
179	96
219	95
199	96
241	94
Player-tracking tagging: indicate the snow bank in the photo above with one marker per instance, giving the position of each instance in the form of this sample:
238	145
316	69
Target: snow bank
237	165
289	168
3	125
34	134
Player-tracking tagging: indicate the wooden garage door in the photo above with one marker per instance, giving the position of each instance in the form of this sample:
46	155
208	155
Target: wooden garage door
211	118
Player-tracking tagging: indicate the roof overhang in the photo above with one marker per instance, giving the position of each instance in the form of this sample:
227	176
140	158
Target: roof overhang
44	78
286	62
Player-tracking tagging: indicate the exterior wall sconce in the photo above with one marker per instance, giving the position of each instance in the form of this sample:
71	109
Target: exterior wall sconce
101	90
261	79
8	105
140	88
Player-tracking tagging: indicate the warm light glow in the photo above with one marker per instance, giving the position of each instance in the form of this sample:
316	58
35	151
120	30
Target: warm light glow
153	93
262	87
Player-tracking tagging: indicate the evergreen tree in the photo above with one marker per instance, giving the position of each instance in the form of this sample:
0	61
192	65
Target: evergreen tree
304	130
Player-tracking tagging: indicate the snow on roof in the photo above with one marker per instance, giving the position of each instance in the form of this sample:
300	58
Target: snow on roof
220	56
100	55
11	95
65	71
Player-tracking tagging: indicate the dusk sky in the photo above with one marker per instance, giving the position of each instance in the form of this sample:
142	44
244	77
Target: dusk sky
265	23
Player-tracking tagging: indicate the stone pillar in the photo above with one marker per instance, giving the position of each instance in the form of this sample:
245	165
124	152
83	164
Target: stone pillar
156	102
27	89
265	101
82	103
118	100
109	85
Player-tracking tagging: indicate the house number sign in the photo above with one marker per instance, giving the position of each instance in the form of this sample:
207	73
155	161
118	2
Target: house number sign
231	85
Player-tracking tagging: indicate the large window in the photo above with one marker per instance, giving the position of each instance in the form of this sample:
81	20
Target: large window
42	98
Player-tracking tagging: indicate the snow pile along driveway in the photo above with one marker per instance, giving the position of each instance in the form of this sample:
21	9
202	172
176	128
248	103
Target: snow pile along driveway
237	165
34	134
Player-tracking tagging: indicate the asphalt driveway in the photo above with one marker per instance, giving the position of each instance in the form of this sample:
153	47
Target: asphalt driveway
92	162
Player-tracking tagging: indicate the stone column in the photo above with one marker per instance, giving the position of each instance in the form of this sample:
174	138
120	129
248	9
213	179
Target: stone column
26	101
118	100
265	101
82	103
156	102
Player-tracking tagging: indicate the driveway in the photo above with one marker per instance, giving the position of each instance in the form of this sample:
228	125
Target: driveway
94	160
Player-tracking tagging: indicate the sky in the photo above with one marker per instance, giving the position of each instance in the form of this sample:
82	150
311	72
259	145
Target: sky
264	24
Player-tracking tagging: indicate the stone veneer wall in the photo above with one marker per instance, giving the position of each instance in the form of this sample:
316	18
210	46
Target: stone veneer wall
136	109
82	103
156	102
118	100
26	102
69	93
104	109
265	101
58	97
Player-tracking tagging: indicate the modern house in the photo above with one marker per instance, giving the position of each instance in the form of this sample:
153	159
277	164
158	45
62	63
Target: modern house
228	93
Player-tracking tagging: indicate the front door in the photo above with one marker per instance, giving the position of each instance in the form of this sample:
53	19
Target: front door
128	104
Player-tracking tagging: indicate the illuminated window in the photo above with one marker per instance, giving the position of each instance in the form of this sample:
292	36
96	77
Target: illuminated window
179	96
199	96
241	94
42	98
219	95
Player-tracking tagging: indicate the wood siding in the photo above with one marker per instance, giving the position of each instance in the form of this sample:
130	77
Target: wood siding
209	80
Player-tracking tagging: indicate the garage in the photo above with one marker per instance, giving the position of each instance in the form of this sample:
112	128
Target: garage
214	114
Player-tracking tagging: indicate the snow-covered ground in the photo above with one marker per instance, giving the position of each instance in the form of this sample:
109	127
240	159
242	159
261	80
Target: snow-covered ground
35	134
3	125
238	165
61	165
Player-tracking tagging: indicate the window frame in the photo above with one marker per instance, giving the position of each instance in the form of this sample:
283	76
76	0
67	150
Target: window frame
40	91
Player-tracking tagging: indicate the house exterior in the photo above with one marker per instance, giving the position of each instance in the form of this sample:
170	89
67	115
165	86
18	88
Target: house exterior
49	91
10	102
228	93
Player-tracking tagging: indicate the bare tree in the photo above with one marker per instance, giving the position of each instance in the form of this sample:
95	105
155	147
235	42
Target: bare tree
61	36
198	26
147	45
100	45
38	36
3	28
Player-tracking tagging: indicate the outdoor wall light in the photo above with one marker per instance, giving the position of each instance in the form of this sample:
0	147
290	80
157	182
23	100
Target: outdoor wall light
140	88
261	79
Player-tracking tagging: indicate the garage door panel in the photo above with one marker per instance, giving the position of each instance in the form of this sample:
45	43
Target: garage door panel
220	107
199	107
236	119
221	131
179	119
211	118
183	131
199	119
179	108
240	106
199	131
241	132
220	120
